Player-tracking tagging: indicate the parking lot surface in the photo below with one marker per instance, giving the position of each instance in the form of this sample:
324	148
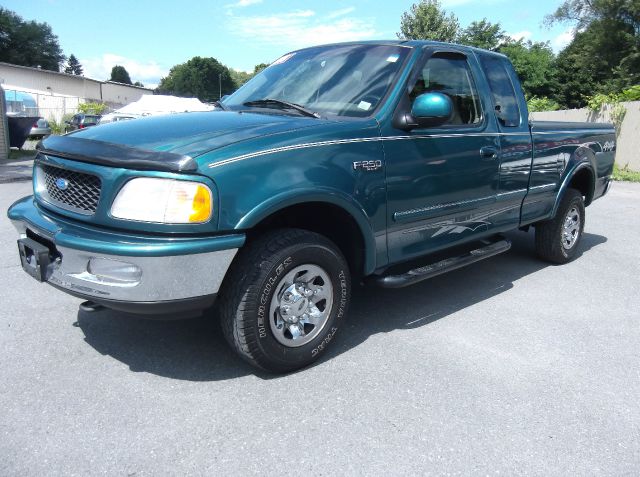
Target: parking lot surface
509	366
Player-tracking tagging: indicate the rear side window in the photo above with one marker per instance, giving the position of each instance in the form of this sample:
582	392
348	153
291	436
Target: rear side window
504	95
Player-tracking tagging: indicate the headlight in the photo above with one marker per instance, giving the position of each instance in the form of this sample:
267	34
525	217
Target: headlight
169	201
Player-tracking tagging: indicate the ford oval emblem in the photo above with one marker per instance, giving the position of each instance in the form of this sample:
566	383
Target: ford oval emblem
62	184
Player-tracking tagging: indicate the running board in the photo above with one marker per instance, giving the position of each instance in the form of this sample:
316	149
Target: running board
429	271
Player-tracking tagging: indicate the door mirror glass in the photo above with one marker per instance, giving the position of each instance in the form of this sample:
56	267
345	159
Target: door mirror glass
432	109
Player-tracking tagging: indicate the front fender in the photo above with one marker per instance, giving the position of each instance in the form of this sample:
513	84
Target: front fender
317	195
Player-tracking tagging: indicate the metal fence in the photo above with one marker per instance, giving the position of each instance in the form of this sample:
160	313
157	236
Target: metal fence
4	129
49	106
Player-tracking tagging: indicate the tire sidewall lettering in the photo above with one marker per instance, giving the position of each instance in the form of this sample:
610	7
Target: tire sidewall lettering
340	279
265	296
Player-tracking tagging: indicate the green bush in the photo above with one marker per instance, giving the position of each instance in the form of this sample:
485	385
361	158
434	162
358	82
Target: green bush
596	102
536	104
92	108
58	128
625	174
631	94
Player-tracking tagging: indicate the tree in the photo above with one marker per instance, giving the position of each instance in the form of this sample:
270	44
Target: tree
535	64
138	83
239	77
259	67
604	56
73	66
583	13
205	78
28	43
120	75
581	72
426	20
483	34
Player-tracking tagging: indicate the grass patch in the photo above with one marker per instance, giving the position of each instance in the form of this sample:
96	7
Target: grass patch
625	174
16	154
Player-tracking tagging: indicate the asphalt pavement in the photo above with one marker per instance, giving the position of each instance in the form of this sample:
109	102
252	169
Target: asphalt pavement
508	367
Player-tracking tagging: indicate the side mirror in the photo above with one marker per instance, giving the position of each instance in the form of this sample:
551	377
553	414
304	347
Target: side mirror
432	109
68	123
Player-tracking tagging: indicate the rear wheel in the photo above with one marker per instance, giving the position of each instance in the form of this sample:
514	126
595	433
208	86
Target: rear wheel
284	299
557	240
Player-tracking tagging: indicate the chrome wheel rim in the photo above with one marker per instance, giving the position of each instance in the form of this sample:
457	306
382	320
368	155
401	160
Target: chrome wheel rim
301	305
571	228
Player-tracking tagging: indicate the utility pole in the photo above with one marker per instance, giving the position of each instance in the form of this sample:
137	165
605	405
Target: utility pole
219	85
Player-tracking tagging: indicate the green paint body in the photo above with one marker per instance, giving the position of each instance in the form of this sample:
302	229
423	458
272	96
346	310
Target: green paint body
430	189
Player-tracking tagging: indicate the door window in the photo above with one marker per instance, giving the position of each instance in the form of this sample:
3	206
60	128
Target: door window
451	76
504	95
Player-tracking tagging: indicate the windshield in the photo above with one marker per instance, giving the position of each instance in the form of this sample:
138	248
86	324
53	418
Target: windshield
347	80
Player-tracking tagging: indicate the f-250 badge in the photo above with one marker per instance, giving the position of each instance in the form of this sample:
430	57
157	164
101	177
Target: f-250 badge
367	165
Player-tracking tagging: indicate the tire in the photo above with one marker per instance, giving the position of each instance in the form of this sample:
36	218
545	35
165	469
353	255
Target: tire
558	239
265	296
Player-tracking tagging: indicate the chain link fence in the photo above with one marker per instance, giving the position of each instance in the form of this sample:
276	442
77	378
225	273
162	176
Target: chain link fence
52	107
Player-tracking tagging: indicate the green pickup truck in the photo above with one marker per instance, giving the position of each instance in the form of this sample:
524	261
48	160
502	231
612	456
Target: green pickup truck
387	161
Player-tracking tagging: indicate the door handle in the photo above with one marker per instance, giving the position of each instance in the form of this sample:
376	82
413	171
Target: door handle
488	152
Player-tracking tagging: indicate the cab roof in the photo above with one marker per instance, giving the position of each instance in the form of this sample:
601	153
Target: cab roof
415	44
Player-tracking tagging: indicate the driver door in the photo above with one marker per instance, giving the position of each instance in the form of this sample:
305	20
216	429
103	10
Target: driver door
442	181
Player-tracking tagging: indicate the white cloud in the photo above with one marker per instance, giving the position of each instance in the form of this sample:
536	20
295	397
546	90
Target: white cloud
340	13
301	28
521	35
147	72
243	3
563	39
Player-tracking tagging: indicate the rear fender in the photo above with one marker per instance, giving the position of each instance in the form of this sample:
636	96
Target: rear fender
584	158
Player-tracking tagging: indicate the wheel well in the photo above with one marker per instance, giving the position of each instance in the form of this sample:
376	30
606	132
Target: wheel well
583	182
325	219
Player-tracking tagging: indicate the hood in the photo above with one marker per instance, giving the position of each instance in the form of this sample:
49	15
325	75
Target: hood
193	134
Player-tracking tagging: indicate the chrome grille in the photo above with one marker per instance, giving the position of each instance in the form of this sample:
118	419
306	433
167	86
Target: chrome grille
81	192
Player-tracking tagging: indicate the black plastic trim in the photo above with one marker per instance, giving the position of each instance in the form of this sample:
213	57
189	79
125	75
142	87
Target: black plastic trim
432	270
115	155
172	309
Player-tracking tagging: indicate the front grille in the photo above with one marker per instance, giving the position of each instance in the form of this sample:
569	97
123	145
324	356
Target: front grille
70	190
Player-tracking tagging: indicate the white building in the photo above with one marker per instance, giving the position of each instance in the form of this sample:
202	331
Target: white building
56	94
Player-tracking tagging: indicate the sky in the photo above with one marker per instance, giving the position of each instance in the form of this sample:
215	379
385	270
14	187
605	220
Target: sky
148	37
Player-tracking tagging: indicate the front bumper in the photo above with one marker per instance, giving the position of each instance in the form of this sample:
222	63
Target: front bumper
170	274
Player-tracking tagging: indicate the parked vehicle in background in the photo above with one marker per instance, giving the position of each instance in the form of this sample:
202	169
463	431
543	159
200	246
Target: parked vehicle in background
81	121
40	129
390	162
116	117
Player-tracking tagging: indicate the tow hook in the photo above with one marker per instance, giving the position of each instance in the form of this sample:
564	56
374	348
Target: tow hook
90	306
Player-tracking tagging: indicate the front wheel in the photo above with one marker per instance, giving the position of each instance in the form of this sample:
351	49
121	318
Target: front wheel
557	239
284	299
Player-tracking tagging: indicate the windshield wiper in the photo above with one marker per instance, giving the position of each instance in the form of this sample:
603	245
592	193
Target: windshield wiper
267	103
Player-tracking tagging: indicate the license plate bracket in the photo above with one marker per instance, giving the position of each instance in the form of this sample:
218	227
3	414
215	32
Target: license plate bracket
34	258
